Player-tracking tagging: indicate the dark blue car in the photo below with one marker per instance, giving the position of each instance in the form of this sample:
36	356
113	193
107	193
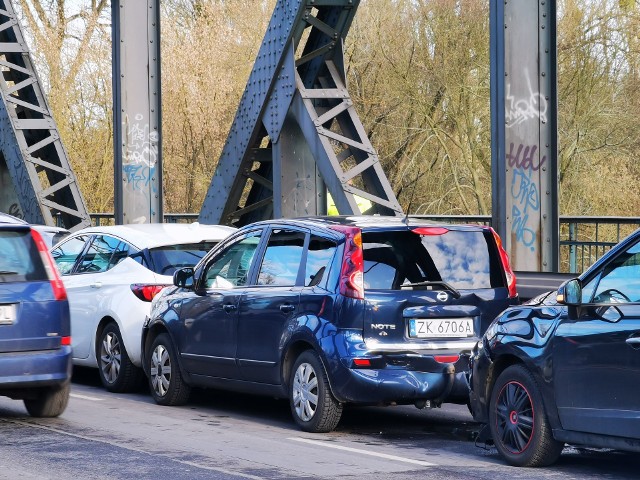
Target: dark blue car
566	367
35	337
330	311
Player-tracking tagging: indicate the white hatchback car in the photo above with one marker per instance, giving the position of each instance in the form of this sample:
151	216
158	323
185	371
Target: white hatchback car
111	274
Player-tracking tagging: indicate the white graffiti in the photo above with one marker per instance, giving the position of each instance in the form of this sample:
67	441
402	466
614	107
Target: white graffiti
141	143
140	154
519	111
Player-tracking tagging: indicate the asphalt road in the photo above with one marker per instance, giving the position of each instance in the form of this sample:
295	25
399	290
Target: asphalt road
221	435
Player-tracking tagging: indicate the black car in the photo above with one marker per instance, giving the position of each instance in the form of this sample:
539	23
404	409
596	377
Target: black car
566	367
328	311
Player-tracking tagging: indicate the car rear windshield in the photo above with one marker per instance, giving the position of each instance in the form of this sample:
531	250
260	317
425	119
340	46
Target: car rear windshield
19	258
464	259
166	260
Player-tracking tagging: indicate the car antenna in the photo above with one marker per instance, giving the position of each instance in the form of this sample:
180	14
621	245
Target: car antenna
413	193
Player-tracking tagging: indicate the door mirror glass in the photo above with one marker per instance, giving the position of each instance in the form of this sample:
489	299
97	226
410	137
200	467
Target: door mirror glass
183	277
609	314
570	293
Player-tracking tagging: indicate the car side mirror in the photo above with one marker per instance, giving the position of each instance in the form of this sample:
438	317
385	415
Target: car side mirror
570	293
183	277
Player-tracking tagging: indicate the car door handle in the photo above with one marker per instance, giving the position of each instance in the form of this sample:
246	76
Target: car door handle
287	307
229	307
96	285
634	342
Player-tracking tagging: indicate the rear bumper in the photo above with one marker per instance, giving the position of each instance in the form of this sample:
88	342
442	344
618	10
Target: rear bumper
375	387
397	377
24	370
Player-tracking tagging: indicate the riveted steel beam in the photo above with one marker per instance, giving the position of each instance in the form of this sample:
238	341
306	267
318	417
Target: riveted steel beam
137	111
524	131
36	180
296	106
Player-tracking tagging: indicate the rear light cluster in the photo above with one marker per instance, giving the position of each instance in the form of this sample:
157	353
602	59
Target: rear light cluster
59	292
511	278
146	292
352	271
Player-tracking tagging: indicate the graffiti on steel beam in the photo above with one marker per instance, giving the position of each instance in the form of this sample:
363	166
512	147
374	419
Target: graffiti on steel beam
140	155
525	194
520	110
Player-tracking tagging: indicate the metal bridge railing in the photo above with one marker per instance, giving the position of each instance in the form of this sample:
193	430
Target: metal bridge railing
582	239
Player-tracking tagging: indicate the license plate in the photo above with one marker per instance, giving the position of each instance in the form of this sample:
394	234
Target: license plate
7	314
441	327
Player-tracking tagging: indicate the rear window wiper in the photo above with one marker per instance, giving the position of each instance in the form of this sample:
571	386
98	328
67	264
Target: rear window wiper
7	272
435	283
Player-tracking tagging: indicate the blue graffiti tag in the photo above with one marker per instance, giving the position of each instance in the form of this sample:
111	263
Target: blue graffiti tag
138	176
524	192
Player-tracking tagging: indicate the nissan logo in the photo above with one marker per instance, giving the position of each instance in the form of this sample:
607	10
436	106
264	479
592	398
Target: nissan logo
442	296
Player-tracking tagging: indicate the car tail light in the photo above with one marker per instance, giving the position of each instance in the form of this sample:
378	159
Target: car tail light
65	341
430	230
446	358
504	257
59	292
352	272
146	292
361	362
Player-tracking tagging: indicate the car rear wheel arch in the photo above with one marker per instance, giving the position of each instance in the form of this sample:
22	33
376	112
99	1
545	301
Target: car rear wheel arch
292	354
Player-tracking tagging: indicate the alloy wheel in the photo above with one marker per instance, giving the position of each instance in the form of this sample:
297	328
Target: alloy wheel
160	371
305	392
110	357
515	417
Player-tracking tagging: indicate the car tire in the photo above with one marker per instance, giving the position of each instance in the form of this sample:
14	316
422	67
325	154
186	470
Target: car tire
165	378
117	373
313	406
51	402
518	420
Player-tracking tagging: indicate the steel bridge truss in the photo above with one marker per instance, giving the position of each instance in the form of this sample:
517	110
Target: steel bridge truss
31	150
296	132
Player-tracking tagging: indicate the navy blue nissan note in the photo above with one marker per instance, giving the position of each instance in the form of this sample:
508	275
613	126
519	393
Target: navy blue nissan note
328	311
35	336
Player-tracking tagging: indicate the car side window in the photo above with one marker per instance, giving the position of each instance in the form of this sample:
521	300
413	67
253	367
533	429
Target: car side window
282	258
66	254
121	252
231	267
619	281
319	256
98	256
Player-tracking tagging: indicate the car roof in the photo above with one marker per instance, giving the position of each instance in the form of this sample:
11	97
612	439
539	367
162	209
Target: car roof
372	222
6	219
49	228
150	235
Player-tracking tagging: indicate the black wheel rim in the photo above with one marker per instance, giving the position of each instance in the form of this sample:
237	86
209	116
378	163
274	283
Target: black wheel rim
514	417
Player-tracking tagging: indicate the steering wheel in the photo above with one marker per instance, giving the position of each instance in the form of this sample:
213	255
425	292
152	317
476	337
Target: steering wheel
615	296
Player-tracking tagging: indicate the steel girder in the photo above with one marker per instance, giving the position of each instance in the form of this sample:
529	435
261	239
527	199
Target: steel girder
137	112
296	130
33	155
524	136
